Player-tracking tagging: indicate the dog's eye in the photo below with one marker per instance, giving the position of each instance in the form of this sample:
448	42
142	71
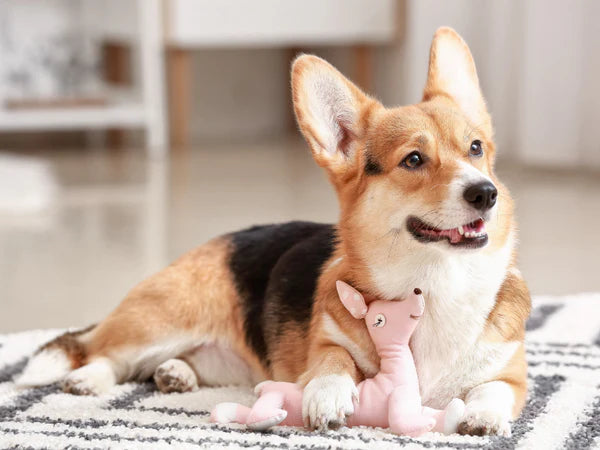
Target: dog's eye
412	161
476	149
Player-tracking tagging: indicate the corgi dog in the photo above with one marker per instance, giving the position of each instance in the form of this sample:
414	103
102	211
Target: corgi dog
420	205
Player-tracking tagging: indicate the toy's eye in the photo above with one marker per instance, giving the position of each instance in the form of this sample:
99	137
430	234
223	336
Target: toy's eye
413	161
379	320
476	149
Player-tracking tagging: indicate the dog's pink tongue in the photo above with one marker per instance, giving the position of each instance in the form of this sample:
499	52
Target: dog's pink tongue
453	234
477	226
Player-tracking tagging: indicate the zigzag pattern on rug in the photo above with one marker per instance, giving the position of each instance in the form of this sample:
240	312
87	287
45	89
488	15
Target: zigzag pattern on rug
563	349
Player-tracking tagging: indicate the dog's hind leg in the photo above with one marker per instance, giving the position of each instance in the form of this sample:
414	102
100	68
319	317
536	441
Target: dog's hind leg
175	375
54	360
143	332
117	350
191	304
134	361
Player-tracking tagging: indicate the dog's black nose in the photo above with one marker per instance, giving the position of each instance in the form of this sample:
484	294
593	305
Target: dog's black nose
481	196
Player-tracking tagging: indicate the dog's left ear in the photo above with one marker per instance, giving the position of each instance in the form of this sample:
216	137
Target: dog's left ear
452	73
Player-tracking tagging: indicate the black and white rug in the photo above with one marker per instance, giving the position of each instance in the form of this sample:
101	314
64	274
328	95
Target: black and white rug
563	410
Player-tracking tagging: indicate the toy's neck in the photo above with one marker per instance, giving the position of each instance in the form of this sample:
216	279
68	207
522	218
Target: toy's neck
395	361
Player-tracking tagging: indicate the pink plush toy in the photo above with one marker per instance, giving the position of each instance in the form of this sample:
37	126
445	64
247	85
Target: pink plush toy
390	399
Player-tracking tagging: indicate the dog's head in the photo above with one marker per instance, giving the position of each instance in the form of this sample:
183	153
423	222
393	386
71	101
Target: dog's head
421	175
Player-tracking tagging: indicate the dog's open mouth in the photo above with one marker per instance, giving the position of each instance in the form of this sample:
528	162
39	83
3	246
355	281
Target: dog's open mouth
470	235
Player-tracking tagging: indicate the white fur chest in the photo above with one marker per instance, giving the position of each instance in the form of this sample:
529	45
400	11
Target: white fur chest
460	291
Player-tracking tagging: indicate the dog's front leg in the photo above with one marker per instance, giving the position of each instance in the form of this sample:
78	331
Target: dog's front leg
488	409
330	387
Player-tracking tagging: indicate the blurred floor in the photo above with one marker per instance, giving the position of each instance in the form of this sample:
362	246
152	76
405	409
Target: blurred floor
117	218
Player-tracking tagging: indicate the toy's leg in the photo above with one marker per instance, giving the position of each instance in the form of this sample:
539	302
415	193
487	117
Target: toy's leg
267	411
446	421
438	415
260	386
405	413
229	412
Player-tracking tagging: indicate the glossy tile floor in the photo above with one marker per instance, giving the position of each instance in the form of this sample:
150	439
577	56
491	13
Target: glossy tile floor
79	228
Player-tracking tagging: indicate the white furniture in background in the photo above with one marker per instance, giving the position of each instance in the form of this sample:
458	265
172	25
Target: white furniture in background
240	23
143	110
196	24
149	27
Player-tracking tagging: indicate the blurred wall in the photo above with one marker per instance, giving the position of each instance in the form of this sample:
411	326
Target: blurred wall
240	93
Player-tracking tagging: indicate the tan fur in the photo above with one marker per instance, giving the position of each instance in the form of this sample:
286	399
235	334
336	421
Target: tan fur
506	323
299	349
289	354
194	295
324	356
515	374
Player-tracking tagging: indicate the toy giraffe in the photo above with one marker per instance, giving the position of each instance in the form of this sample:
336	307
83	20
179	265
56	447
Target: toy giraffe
389	399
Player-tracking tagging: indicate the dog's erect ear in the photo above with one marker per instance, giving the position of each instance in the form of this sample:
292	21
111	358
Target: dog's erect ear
352	300
452	72
328	109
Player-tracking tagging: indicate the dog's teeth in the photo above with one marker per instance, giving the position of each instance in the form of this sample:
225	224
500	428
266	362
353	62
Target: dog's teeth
461	230
474	234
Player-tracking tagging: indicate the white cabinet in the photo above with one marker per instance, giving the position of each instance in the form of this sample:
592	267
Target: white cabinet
192	24
241	23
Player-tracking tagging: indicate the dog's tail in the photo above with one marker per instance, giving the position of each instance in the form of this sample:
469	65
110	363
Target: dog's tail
54	360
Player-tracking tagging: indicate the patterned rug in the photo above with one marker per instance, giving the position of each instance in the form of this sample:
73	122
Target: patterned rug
563	410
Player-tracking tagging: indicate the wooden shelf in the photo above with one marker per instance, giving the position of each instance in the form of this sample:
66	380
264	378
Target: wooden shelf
143	21
73	118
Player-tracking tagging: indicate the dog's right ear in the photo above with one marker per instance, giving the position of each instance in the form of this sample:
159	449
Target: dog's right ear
329	110
452	73
352	300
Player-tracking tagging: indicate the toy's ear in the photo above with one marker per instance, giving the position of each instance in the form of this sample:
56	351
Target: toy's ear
352	300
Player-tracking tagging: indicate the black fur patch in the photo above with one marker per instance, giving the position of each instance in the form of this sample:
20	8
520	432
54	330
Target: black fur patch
290	295
372	167
255	254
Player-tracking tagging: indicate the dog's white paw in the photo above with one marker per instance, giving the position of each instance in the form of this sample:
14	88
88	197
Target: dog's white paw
92	379
454	414
328	400
480	420
175	375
